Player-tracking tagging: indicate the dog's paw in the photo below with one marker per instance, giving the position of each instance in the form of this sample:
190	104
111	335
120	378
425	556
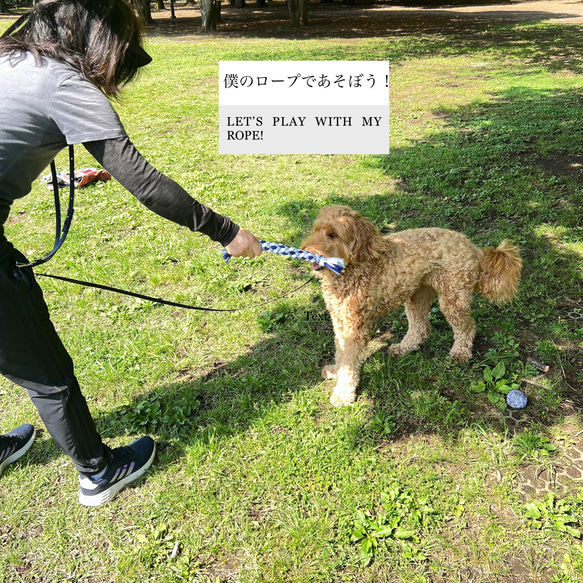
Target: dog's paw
339	401
329	372
460	356
397	350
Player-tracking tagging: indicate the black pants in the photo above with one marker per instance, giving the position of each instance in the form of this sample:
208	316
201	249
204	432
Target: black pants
33	356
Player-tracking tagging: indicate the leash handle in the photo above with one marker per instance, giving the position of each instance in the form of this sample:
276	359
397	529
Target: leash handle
335	264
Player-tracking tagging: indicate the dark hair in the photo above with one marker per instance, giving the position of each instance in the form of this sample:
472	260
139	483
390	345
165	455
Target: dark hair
97	37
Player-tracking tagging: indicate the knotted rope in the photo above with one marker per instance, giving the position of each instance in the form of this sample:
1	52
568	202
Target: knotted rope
335	264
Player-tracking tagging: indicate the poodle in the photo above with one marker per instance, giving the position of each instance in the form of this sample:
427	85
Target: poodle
410	268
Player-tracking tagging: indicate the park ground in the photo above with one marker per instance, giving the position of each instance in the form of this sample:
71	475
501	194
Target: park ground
428	477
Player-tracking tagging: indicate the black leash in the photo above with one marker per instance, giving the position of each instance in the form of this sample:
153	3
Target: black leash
61	235
15	25
165	302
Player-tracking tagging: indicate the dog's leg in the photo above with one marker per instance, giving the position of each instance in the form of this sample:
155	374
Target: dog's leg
457	309
348	372
330	371
417	309
351	340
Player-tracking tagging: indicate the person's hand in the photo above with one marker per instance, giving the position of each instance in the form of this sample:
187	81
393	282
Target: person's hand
244	245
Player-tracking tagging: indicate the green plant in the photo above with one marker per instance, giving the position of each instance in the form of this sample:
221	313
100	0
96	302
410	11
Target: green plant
495	385
531	444
150	414
505	349
369	531
272	320
566	570
563	577
553	514
399	507
383	423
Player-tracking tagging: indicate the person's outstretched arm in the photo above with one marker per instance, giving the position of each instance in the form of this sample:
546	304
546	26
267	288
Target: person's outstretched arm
168	199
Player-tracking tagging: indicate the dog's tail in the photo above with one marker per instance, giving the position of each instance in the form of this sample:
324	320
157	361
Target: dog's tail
500	272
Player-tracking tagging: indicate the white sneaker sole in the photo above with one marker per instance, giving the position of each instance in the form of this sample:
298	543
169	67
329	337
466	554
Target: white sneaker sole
110	493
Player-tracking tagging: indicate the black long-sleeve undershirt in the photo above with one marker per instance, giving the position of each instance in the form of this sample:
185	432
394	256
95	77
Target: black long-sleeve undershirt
158	192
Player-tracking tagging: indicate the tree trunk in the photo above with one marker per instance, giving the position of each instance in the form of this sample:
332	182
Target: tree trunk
160	5
144	11
238	3
3	7
298	11
210	14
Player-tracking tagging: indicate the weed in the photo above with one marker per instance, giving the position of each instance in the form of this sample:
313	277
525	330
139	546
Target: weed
530	444
563	516
271	320
383	423
402	517
495	385
572	561
505	349
151	414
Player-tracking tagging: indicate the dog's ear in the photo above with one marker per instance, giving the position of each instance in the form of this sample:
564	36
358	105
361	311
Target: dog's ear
367	241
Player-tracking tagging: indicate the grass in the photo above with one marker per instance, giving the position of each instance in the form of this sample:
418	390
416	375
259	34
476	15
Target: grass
257	477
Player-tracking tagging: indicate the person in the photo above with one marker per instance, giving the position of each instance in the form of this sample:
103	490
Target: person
58	73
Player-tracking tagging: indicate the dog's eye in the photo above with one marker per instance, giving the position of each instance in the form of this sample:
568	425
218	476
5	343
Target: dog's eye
331	235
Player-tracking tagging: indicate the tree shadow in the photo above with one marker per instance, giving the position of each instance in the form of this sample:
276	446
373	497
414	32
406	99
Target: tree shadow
440	31
509	168
216	403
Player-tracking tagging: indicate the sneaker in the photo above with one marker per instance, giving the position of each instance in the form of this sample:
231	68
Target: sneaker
127	464
15	444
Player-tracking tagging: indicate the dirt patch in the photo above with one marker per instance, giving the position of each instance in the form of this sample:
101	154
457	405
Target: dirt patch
562	164
366	19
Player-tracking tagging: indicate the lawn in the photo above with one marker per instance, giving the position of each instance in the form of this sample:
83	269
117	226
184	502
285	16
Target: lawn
427	477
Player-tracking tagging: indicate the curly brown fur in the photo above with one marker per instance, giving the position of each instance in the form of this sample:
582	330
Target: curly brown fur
407	268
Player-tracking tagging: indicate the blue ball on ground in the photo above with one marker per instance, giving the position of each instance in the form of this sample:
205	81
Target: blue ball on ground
516	399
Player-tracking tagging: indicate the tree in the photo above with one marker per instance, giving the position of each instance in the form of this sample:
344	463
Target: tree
3	7
210	15
298	11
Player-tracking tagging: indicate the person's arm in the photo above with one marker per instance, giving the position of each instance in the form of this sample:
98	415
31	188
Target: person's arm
166	198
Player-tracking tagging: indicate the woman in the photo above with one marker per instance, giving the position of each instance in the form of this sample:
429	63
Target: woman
56	75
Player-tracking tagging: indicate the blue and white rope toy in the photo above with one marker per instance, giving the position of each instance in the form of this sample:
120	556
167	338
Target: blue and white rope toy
335	264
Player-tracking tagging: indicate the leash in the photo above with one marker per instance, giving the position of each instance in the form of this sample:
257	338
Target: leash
15	25
60	233
165	302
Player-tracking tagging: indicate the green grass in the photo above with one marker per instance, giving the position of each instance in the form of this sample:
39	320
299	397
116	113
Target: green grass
257	477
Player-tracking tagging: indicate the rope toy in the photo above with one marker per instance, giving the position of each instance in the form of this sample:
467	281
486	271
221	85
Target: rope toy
335	264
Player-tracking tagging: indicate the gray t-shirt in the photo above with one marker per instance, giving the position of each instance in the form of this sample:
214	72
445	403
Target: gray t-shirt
42	110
